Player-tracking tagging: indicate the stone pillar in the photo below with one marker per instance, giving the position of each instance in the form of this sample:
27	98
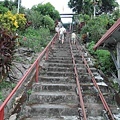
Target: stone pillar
118	60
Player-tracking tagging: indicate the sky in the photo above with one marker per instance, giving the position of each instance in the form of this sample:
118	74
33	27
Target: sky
60	5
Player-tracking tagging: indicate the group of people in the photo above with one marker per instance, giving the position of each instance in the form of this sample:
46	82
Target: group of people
61	33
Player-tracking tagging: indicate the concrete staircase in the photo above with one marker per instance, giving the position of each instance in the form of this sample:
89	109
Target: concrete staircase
54	96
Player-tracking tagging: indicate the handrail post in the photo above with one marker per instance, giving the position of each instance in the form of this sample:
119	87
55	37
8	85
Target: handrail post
2	114
46	56
36	76
53	42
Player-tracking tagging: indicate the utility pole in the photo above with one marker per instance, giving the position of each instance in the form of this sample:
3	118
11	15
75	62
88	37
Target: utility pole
18	6
95	4
94	8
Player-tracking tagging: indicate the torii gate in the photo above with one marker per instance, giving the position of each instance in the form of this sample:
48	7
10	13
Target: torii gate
68	15
111	41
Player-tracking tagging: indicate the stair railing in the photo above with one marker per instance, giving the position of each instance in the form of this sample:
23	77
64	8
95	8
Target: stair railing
33	69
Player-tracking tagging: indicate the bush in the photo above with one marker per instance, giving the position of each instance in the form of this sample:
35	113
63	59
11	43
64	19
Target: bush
35	39
104	60
48	22
12	22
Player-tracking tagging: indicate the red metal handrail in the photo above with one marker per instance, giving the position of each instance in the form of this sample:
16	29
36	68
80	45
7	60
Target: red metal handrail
110	115
36	65
78	85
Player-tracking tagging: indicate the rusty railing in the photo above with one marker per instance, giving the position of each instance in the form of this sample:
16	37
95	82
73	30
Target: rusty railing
34	67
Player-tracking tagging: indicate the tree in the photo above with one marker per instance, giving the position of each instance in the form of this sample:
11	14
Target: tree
11	6
35	17
16	3
108	5
86	6
48	22
47	9
92	26
76	5
3	9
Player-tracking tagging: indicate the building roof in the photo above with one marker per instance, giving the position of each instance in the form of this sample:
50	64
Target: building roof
110	38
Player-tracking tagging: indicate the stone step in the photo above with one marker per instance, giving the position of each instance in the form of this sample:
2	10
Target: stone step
75	50
79	61
82	70
77	56
57	74
59	61
60	58
53	118
85	78
53	97
60	69
61	53
93	69
53	110
94	109
60	46
80	65
59	79
37	87
61	50
60	65
58	55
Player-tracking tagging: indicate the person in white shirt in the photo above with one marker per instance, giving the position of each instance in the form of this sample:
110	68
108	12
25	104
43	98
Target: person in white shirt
62	30
57	27
73	38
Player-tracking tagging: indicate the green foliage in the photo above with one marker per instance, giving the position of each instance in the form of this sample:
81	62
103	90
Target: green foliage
43	15
3	9
5	85
29	91
87	6
48	22
90	48
12	22
97	27
76	5
82	17
47	9
36	18
115	15
10	5
109	5
104	60
115	85
1	96
35	39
